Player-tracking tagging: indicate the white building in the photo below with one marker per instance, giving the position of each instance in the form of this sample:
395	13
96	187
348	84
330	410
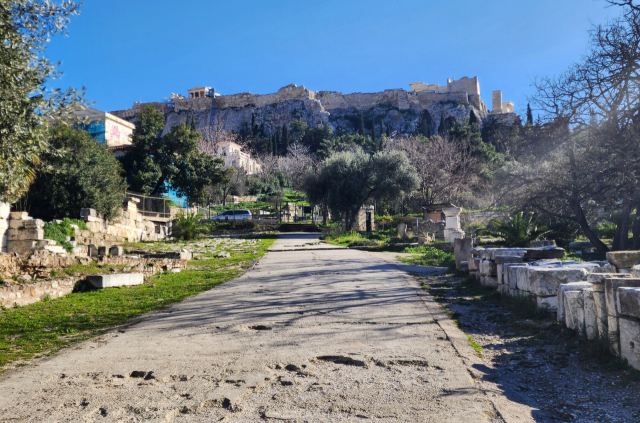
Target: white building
233	156
106	129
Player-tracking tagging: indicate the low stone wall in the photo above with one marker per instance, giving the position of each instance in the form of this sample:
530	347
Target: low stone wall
41	264
598	299
28	293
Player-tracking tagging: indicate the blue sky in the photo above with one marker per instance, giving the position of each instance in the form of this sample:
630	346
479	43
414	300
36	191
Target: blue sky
142	50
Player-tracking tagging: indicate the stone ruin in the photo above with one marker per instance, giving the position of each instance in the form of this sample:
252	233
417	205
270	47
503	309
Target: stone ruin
598	299
428	230
23	234
398	109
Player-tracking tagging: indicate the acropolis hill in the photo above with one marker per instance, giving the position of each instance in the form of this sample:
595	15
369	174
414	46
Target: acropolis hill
399	109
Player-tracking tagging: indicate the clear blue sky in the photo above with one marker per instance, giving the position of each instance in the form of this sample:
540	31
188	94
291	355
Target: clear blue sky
142	50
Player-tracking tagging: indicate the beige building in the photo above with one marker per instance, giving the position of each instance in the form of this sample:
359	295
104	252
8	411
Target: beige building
234	157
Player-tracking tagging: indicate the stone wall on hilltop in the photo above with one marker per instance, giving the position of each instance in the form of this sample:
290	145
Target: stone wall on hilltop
401	110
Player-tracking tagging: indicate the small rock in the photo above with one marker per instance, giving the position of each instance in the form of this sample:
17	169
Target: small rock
25	278
224	255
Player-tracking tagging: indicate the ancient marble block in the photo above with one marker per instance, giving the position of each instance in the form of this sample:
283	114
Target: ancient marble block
550	303
611	286
506	252
574	310
572	286
597	279
630	341
116	279
488	268
601	314
546	281
623	259
628	302
116	251
590	314
522	278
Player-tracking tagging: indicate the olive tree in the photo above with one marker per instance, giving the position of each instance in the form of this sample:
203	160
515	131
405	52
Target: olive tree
25	28
348	180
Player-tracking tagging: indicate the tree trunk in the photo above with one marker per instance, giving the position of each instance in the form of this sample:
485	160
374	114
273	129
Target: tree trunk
584	225
580	217
324	214
621	237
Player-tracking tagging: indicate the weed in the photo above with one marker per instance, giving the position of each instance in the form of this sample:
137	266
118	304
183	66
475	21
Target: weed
475	345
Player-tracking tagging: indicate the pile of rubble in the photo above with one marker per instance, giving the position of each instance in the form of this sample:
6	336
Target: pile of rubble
599	299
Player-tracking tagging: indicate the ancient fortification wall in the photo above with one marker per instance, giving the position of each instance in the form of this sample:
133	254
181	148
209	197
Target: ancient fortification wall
457	100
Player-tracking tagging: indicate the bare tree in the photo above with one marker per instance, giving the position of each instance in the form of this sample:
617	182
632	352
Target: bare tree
592	116
446	167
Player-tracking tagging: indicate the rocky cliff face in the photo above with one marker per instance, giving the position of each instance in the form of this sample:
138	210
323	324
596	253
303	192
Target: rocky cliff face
398	110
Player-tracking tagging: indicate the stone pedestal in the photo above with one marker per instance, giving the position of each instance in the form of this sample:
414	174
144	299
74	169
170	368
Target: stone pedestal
452	229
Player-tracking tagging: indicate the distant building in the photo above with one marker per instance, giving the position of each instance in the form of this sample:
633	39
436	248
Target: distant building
198	92
106	129
233	156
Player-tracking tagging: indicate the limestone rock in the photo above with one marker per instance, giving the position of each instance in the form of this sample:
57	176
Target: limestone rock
590	314
630	341
574	310
628	301
488	268
546	281
611	286
623	259
572	286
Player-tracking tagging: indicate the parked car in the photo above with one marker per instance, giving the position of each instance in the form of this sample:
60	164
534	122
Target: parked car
240	214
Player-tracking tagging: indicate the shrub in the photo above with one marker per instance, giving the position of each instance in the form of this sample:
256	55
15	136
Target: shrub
605	230
60	231
518	231
77	173
187	227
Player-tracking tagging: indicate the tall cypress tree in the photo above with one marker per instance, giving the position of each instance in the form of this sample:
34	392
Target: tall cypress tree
373	130
193	122
254	127
277	142
388	129
285	138
472	118
441	127
274	145
529	116
361	125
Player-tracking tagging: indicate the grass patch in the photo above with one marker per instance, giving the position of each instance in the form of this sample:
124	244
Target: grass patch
354	238
429	256
475	345
46	327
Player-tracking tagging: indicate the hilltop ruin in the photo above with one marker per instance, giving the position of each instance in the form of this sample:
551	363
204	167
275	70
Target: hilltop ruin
398	109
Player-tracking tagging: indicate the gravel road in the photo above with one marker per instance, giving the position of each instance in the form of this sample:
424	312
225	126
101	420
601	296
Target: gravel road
311	333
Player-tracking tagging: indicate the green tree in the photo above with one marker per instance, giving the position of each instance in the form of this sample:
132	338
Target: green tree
373	130
529	116
26	26
442	127
348	180
361	125
285	138
83	175
254	127
157	162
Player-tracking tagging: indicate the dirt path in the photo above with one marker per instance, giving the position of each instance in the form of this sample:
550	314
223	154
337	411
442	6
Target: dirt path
307	335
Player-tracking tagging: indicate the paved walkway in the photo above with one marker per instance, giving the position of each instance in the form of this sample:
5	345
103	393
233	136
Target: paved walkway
311	335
